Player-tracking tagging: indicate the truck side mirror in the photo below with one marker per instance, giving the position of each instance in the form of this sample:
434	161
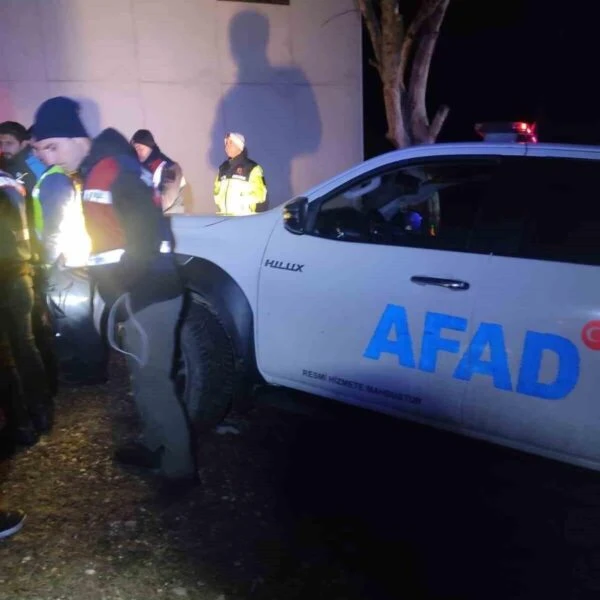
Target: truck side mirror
294	215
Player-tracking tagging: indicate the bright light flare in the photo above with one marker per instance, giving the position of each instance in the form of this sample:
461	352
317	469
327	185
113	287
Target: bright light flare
73	241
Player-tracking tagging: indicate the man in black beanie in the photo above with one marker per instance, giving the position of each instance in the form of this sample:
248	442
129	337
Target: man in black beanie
167	176
124	219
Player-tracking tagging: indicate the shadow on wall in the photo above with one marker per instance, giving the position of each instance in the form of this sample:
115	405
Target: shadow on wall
273	106
90	115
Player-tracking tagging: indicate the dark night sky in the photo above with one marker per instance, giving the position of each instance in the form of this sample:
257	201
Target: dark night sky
506	60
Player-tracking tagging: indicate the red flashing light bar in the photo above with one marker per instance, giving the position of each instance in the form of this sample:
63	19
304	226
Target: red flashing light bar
516	131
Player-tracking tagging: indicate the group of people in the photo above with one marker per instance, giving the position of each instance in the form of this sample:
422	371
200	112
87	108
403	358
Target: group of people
239	189
104	197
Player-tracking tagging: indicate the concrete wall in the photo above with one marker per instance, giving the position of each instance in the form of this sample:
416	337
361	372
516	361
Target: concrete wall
288	77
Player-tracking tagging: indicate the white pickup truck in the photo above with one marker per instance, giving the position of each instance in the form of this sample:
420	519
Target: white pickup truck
456	285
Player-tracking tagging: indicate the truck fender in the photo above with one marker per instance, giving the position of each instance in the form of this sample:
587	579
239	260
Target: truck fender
215	288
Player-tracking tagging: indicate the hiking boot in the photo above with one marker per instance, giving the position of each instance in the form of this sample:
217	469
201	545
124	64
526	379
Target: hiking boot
42	419
25	435
11	521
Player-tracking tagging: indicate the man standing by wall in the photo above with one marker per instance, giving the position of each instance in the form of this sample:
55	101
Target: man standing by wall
240	187
167	176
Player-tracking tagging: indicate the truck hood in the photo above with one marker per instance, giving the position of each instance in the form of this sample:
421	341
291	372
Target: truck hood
185	228
196	236
192	232
187	222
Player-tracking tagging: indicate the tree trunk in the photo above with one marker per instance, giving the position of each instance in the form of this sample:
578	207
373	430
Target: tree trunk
421	130
397	132
398	51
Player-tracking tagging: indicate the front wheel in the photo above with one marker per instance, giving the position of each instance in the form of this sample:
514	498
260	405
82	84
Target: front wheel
205	375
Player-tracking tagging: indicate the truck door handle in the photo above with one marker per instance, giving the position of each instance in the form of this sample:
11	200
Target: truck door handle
450	284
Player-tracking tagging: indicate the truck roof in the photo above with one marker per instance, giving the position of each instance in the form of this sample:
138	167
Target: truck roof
457	149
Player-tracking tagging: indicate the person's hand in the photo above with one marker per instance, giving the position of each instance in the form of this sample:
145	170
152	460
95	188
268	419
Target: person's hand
169	175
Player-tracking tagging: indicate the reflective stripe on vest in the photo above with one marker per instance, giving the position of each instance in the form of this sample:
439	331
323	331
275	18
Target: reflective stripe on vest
98	196
105	258
114	256
157	175
22	236
38	210
15	246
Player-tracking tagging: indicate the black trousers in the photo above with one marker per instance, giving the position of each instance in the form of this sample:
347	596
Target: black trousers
20	360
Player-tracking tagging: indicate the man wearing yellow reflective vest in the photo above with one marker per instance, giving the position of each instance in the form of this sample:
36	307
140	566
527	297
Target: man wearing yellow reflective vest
240	187
63	242
52	192
56	202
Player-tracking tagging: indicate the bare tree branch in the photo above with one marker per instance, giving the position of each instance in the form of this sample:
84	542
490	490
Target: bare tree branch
392	30
373	26
417	90
397	133
438	122
404	101
425	12
333	17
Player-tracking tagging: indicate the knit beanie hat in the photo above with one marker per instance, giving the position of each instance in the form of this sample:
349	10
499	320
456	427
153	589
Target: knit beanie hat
58	118
144	137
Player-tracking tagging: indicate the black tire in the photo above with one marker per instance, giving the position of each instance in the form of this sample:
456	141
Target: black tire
205	375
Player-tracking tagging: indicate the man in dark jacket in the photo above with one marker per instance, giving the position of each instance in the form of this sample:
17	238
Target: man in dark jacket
124	220
20	360
167	176
18	159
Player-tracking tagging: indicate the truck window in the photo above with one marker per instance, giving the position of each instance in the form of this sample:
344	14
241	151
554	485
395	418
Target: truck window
543	209
430	205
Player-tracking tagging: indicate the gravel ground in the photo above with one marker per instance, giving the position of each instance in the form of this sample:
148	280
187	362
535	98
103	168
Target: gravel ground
344	505
96	531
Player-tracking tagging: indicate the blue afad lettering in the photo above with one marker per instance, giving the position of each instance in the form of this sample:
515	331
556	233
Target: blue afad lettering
392	336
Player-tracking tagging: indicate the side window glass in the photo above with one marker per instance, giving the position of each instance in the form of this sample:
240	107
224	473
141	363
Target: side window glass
500	222
543	209
430	206
564	222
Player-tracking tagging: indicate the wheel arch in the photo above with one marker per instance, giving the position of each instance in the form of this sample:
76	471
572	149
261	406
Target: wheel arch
226	299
